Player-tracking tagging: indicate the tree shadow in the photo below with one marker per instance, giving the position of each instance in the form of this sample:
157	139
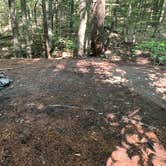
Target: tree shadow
137	143
148	81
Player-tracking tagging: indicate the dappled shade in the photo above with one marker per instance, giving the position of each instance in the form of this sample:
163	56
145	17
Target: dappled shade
82	112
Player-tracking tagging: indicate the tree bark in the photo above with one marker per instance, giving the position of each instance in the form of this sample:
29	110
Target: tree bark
14	26
35	12
45	28
97	27
26	32
71	15
82	27
115	19
50	21
158	7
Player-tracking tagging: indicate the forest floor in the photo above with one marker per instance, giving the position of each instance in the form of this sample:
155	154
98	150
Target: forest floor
82	112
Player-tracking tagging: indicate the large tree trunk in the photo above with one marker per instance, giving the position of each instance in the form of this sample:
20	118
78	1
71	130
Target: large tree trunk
45	27
14	26
26	32
82	27
97	27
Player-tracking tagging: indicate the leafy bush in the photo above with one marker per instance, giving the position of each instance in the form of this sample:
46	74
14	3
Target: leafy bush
37	44
64	44
157	50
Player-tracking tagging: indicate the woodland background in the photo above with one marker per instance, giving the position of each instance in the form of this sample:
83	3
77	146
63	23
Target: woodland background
52	28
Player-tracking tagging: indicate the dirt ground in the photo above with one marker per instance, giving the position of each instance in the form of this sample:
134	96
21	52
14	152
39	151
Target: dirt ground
88	112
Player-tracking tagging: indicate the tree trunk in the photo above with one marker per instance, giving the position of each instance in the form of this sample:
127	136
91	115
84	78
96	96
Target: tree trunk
50	21
97	27
87	49
55	16
82	27
115	19
35	12
158	7
26	32
71	15
14	26
45	27
163	14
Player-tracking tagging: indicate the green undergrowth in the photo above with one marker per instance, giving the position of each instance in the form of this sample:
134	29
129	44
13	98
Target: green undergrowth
156	50
63	44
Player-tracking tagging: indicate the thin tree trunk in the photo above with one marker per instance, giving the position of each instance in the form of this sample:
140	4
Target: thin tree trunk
26	32
35	12
115	19
82	27
97	44
157	15
163	15
71	15
14	26
55	16
50	21
88	30
45	27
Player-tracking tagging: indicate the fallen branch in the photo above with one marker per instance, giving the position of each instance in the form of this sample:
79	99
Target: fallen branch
148	126
63	106
74	107
6	69
133	121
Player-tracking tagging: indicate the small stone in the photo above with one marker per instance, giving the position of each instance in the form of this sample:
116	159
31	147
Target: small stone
100	113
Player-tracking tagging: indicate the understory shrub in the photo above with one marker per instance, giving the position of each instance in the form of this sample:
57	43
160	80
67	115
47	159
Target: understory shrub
156	49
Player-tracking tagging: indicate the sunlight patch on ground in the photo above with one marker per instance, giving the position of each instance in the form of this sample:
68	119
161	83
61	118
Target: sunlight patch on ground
139	144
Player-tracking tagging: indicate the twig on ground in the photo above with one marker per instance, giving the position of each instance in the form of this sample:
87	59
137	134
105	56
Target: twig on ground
3	69
63	106
74	107
149	126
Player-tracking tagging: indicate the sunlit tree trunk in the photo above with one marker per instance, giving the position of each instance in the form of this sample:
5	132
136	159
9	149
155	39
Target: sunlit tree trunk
45	28
26	32
14	26
88	30
35	12
97	27
82	27
163	14
55	16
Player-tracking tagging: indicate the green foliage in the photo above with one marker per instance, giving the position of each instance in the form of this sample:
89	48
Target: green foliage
135	20
37	43
70	44
162	60
64	44
157	49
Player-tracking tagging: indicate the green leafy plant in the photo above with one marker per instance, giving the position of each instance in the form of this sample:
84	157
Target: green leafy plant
157	50
64	44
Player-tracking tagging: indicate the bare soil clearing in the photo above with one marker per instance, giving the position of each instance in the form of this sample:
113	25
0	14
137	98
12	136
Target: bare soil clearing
82	113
